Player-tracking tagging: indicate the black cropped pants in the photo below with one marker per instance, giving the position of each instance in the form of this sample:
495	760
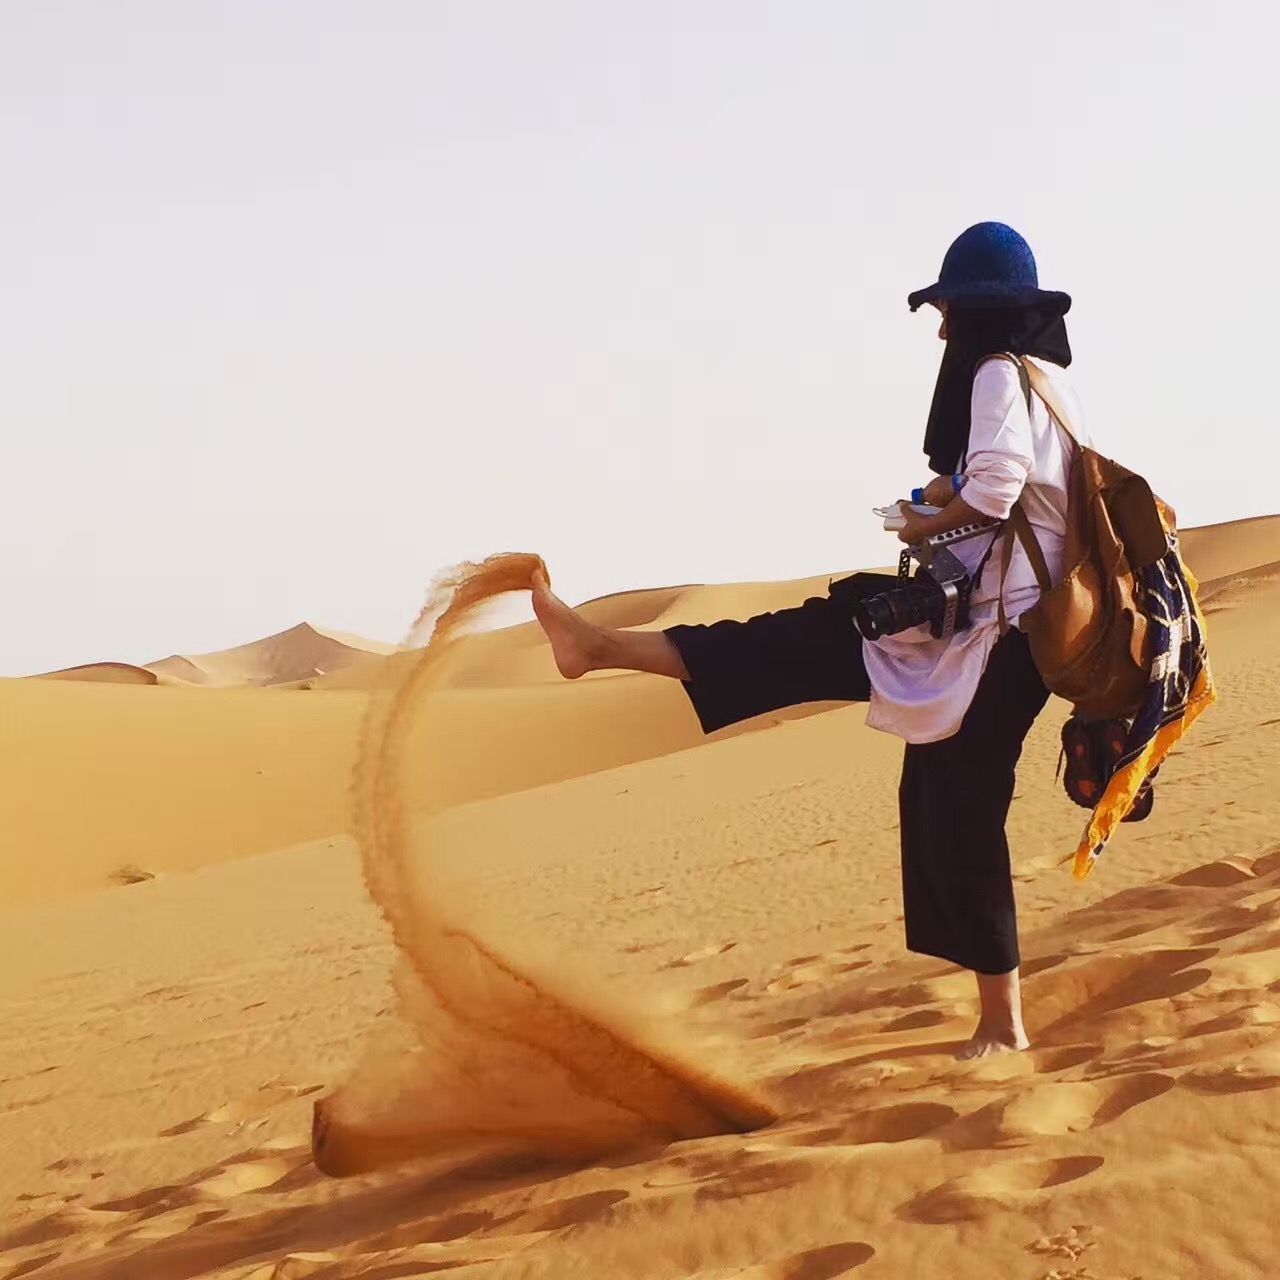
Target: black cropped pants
954	795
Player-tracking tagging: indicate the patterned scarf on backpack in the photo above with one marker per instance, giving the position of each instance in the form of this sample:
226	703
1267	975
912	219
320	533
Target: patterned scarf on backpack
1180	689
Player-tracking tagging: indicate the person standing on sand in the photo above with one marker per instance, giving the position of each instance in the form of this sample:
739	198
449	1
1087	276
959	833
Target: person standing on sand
963	704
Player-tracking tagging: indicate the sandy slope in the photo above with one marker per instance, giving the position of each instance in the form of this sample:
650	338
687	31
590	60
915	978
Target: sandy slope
166	1039
100	777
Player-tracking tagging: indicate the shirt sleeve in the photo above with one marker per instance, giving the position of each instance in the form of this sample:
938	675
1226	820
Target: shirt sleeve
1001	453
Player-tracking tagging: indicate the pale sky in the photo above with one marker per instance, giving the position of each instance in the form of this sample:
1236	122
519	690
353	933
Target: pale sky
301	301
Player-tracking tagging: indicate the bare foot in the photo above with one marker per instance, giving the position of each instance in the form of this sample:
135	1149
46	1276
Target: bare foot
1000	1028
987	1041
575	643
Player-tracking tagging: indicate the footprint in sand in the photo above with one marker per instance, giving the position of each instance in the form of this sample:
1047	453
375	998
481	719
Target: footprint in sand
1000	1068
250	1175
152	1201
27	1103
1052	1061
800	976
1217	875
804	970
902	1123
266	1099
70	1220
130	874
1100	984
164	995
559	1214
298	1266
167	1225
727	1174
1034	868
1071	1244
1257	1070
432	1234
254	1171
783	1027
995	1188
1200	1050
824	1263
918	1020
256	1104
717	991
1060	1107
703	953
1262	1013
32	1265
1246	973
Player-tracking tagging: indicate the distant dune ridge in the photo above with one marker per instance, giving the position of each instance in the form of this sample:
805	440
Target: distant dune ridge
315	657
289	659
301	653
561	872
103	673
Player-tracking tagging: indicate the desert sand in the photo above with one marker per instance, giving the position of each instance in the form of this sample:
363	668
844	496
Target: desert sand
191	959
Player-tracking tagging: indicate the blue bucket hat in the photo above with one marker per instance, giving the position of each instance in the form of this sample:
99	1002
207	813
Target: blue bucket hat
990	265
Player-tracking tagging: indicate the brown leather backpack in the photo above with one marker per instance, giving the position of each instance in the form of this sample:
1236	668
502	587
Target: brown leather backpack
1088	634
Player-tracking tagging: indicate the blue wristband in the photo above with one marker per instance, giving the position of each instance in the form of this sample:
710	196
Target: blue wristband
957	482
917	496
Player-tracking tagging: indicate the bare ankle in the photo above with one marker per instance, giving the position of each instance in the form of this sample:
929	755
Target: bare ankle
597	651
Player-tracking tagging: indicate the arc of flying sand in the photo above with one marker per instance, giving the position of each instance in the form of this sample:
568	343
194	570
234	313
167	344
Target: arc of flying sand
389	838
673	1097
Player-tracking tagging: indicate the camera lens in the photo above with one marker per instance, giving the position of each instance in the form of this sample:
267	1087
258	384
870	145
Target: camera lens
873	617
898	609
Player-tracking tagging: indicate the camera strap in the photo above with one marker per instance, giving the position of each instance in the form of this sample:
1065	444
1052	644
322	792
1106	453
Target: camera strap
986	555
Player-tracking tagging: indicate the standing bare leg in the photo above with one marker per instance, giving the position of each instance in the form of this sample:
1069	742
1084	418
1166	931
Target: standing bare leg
580	646
1000	1028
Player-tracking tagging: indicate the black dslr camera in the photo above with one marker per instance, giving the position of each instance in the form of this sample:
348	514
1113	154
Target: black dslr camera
938	594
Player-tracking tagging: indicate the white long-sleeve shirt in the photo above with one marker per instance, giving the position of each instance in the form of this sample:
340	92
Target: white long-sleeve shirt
922	687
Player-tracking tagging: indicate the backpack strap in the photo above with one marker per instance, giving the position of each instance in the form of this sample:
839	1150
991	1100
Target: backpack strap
1044	389
1017	361
1018	526
1035	379
1025	534
1024	381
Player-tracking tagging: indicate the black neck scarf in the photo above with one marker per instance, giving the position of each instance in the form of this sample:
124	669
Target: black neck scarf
972	333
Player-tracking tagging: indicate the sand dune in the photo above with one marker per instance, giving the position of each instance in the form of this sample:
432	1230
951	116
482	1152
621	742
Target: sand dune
103	673
167	1037
1220	550
299	654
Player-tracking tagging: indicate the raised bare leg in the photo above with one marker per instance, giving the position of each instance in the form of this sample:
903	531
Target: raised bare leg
579	646
1000	1028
